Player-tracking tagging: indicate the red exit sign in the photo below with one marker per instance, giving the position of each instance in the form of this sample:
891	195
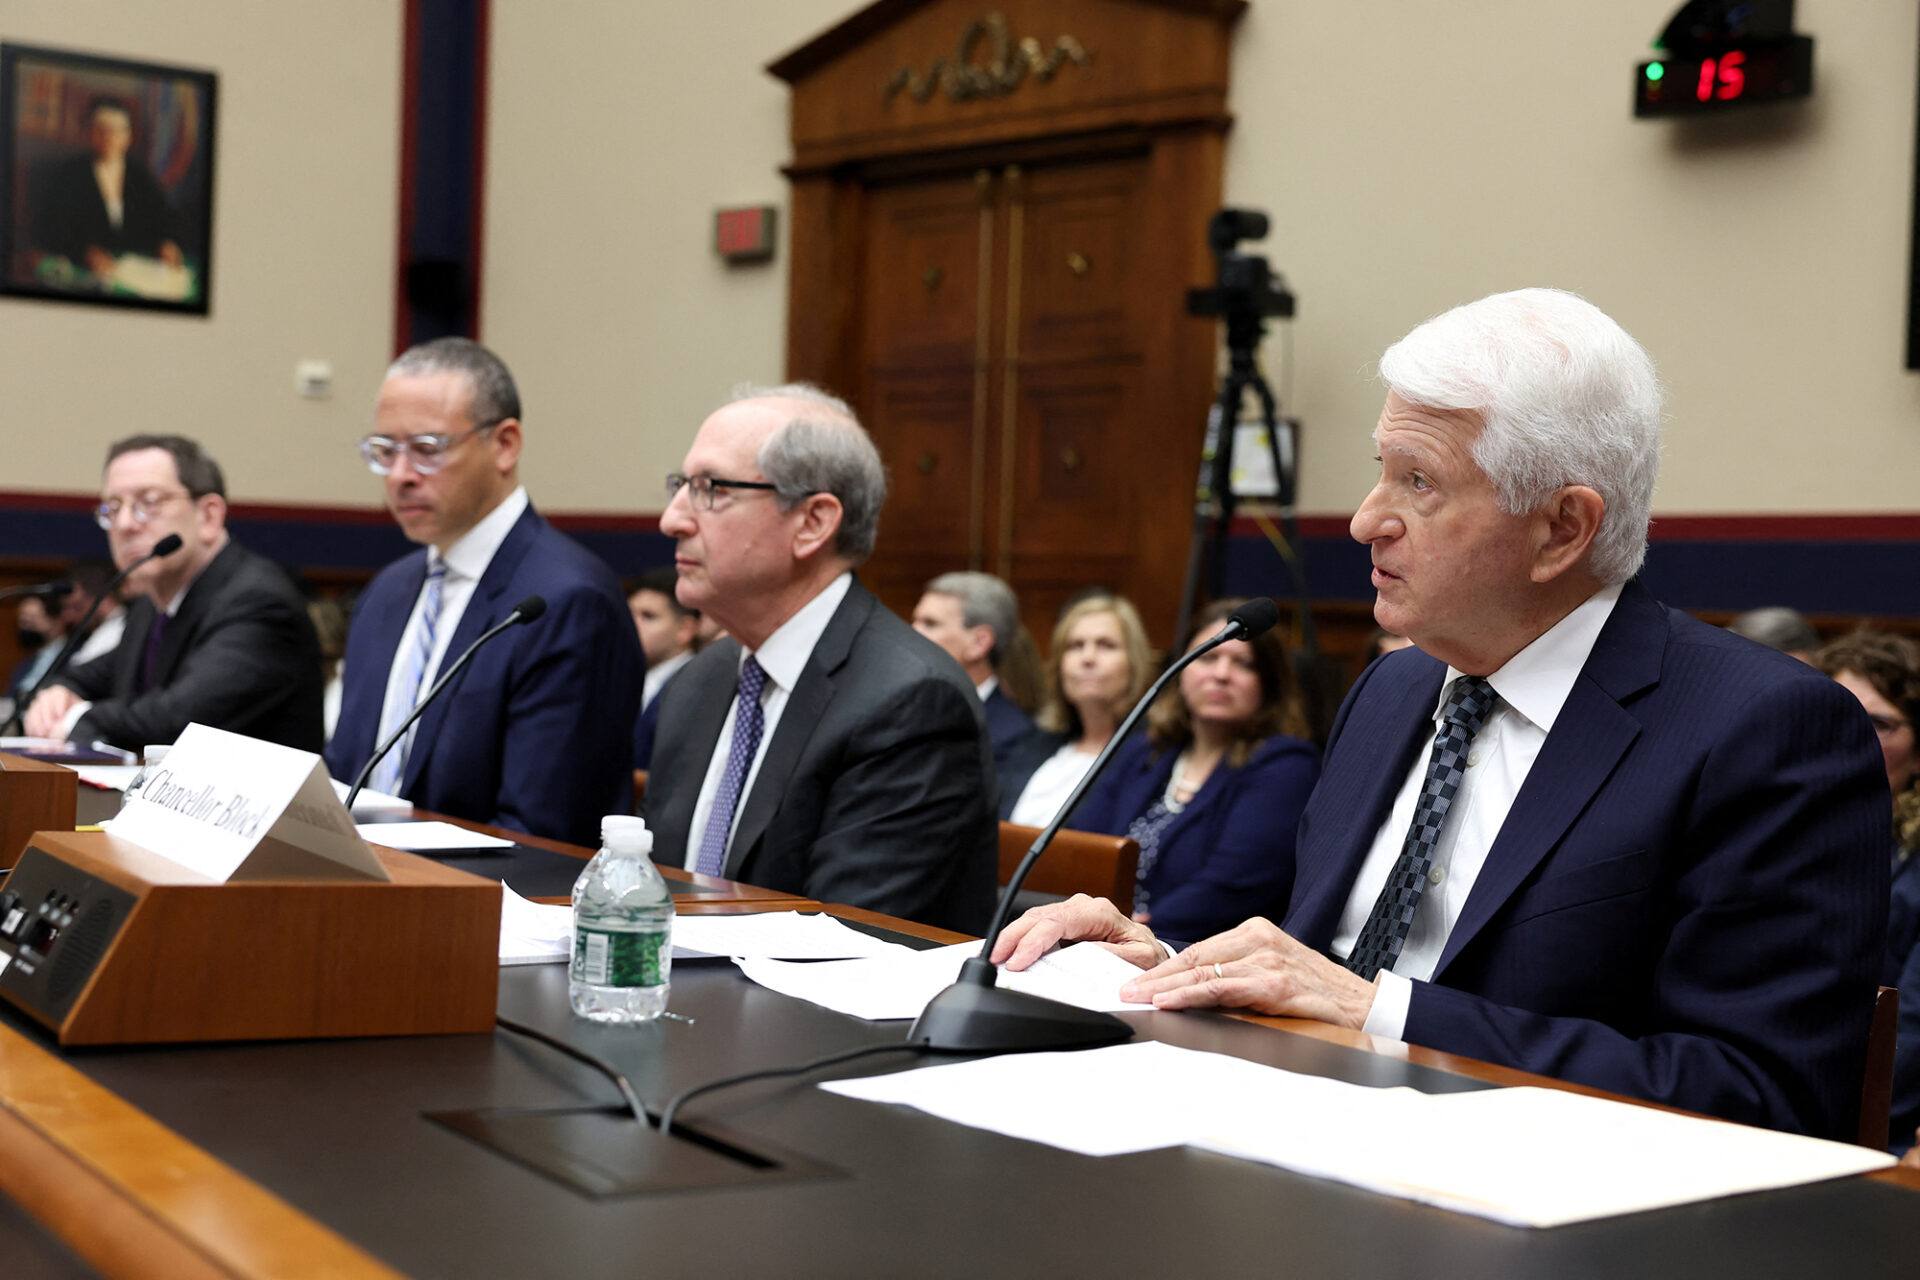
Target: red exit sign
744	235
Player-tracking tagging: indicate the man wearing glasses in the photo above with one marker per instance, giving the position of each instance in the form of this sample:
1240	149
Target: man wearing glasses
825	748
536	733
216	634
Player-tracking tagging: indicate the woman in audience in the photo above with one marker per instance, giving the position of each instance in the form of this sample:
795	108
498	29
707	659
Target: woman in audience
1883	671
1099	668
1214	789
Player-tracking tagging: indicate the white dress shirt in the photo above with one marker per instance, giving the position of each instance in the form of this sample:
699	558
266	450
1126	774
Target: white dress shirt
1532	687
659	673
466	560
1050	786
783	657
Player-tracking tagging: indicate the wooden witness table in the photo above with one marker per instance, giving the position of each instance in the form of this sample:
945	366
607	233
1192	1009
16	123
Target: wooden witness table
315	1159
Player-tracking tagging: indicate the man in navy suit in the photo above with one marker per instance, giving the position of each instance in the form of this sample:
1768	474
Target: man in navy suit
974	617
536	733
1659	864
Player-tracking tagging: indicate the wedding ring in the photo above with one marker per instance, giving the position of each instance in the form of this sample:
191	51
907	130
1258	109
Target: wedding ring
1216	970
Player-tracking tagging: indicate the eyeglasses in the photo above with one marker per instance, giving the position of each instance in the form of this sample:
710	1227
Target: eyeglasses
1887	726
426	454
700	488
141	507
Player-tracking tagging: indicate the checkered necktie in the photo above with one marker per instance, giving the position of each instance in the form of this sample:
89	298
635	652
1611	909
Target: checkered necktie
748	719
406	692
1469	702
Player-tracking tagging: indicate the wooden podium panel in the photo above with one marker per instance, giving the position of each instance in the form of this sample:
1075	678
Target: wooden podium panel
34	796
108	943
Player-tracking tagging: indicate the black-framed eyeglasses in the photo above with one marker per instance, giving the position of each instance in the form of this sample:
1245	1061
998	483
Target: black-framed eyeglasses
700	488
426	454
142	506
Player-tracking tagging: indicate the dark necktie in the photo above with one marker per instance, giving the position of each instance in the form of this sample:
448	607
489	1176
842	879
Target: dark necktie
748	718
151	657
1469	702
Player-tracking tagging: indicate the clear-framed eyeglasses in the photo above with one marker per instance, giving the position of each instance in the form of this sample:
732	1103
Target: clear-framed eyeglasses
426	454
142	506
700	489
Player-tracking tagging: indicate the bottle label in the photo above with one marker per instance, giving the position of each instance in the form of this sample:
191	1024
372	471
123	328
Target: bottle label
618	958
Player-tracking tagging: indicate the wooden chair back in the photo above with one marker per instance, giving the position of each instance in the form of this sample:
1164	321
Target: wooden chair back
1876	1092
1076	862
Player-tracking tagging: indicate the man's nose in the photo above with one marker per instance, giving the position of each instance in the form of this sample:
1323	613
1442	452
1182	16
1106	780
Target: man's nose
677	520
1370	521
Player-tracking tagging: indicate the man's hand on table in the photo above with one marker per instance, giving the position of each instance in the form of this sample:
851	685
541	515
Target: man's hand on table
1254	966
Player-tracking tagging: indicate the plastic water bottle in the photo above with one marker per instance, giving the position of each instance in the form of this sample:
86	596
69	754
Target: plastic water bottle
155	754
622	929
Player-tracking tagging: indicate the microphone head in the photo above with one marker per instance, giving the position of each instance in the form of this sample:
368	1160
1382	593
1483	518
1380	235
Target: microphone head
530	608
167	546
52	590
1256	617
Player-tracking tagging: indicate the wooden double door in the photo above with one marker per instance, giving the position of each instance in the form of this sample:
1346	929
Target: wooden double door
1019	347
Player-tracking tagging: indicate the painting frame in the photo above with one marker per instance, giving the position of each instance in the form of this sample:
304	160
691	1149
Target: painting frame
106	180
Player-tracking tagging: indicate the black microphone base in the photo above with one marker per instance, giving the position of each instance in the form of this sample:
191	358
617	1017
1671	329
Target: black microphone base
970	1018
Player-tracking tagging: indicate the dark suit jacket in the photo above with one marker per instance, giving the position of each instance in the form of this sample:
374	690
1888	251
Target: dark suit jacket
876	788
536	733
1903	971
239	655
71	217
1006	725
647	727
1228	854
1687	902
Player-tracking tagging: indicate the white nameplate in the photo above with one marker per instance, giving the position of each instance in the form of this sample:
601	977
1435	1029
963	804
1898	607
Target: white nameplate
236	808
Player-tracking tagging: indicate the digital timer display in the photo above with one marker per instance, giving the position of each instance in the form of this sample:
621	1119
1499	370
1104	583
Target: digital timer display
1737	75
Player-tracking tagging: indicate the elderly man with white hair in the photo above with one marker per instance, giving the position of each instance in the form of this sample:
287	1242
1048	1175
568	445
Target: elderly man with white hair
1574	832
825	748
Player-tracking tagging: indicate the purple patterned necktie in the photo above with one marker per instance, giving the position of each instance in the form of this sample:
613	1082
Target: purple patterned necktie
151	657
748	718
1469	702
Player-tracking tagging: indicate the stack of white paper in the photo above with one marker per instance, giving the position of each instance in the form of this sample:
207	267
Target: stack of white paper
899	986
539	933
427	837
1530	1157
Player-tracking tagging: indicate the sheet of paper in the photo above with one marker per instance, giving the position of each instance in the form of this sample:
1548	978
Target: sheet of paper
900	986
533	932
1529	1157
784	935
108	777
427	837
371	801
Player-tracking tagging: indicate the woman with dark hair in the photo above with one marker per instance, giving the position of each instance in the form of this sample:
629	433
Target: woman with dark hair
1883	671
1214	789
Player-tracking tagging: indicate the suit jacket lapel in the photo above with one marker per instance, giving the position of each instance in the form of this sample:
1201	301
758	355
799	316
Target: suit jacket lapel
805	706
681	759
133	647
483	610
180	627
1588	738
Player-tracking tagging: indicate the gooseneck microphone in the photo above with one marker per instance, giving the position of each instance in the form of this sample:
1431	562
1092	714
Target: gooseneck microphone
526	611
975	1016
161	549
43	590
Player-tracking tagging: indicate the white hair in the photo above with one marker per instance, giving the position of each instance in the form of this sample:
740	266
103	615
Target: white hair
824	450
1565	396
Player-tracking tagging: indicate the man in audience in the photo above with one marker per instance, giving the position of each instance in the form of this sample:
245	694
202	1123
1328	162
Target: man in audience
90	578
1778	627
1574	832
217	635
536	733
974	617
668	633
852	766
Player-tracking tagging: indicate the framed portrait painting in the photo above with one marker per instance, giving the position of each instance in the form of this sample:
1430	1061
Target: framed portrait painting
106	180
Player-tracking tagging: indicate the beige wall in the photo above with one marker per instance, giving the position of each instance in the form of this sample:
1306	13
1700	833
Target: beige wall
304	228
1413	154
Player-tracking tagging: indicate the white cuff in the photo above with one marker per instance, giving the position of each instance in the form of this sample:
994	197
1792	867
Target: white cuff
74	713
1388	1016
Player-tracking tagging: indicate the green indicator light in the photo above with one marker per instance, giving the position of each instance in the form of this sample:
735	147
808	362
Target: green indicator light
1655	71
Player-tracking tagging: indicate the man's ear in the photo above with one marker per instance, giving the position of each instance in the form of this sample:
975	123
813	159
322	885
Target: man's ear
1567	526
506	445
820	516
210	516
979	643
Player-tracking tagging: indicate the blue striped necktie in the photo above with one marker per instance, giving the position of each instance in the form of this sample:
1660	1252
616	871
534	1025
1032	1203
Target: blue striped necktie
748	719
402	696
